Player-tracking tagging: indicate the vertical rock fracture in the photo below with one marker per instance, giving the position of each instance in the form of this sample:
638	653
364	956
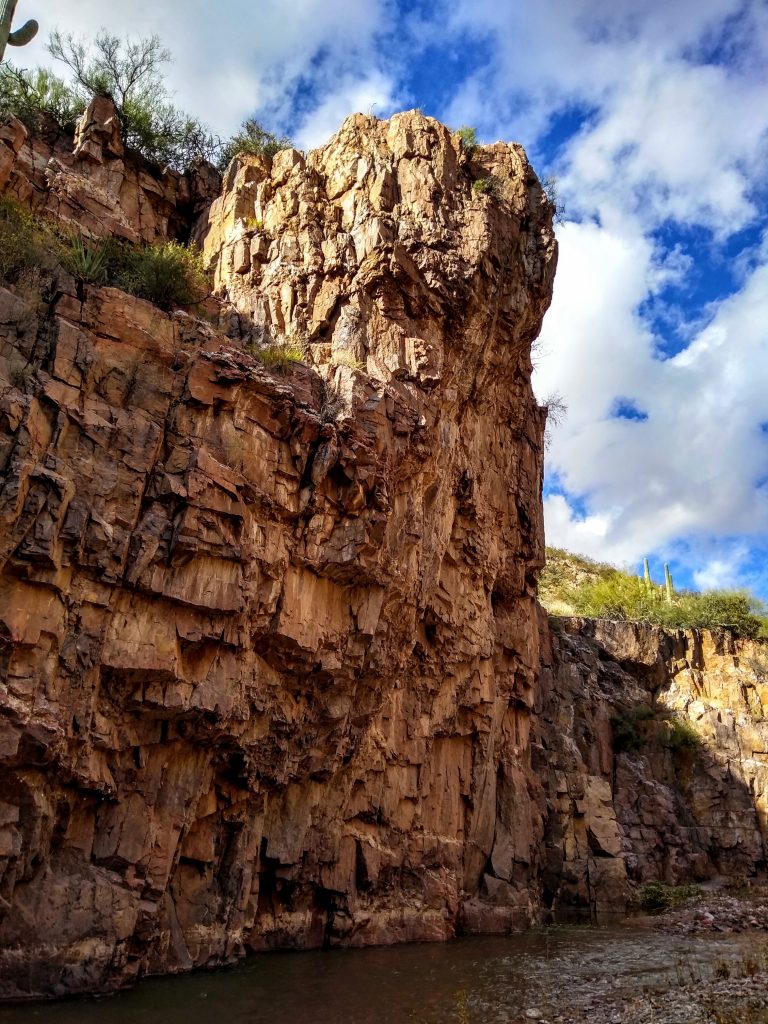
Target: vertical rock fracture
269	641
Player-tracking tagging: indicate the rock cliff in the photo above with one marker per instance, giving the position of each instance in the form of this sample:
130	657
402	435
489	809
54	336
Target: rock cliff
273	670
653	748
269	640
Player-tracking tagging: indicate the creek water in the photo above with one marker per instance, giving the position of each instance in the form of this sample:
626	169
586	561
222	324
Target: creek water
495	979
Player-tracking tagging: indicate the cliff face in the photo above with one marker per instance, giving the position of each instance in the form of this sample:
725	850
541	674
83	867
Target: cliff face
271	668
653	748
269	641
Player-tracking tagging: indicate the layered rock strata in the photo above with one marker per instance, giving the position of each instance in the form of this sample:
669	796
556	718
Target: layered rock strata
271	669
653	748
269	641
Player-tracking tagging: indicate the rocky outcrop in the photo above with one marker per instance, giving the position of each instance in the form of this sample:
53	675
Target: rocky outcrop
655	750
273	674
93	185
269	641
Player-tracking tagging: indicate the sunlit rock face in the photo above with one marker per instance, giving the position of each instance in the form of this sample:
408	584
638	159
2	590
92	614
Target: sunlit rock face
273	671
269	640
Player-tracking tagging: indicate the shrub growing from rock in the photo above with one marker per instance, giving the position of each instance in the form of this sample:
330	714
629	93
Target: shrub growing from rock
167	275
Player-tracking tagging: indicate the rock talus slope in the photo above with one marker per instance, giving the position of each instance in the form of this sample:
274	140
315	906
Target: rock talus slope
269	642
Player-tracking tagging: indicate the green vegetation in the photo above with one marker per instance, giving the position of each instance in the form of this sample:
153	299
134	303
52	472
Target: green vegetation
658	896
345	358
639	725
168	275
87	260
627	734
678	734
33	96
251	139
490	186
280	357
129	73
20	240
468	138
574	585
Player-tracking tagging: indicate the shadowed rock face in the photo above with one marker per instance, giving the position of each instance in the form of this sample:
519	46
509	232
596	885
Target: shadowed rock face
269	642
684	797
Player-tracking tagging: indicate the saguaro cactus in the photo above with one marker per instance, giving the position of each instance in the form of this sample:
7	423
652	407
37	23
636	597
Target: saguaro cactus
22	35
647	576
668	584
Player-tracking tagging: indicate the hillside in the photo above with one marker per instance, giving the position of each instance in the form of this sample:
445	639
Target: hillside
575	585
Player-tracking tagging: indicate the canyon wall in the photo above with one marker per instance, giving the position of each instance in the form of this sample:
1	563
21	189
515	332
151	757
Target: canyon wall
269	640
653	748
272	669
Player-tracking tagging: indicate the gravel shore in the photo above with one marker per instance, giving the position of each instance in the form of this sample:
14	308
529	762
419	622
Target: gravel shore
732	990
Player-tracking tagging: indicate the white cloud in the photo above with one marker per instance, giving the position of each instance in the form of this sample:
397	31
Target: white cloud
721	572
375	94
690	469
245	56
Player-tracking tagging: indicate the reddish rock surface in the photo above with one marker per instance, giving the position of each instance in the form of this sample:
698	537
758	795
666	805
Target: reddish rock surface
269	642
686	799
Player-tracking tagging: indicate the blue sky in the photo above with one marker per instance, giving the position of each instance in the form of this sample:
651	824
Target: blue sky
653	117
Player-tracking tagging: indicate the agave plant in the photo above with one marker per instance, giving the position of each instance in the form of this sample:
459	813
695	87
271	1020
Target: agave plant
85	259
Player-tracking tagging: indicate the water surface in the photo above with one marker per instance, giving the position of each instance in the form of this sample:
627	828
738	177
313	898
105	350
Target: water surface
497	979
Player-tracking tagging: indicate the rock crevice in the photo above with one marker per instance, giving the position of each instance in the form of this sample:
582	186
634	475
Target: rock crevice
269	640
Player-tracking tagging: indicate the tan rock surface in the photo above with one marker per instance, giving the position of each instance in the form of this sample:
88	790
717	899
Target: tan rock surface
269	642
658	810
93	185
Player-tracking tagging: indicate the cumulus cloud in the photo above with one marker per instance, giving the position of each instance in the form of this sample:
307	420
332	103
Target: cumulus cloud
693	467
248	56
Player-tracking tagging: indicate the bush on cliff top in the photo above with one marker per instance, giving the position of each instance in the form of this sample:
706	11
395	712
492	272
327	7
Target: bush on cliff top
34	95
130	74
578	586
252	139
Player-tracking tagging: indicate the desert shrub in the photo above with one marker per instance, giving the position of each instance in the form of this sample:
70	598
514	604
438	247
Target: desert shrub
130	74
33	95
490	186
551	191
614	595
20	240
618	595
468	137
658	896
678	734
280	356
345	358
167	275
253	139
738	612
87	260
